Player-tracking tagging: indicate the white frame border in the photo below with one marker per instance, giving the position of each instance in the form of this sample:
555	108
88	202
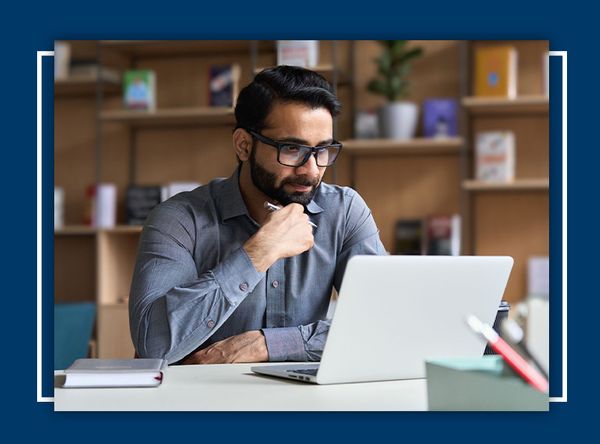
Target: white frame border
562	54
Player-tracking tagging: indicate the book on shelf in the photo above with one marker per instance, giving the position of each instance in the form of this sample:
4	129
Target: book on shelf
59	207
304	53
496	71
440	118
223	84
443	235
495	156
171	189
101	205
409	237
139	89
97	373
538	276
85	70
62	60
139	201
546	73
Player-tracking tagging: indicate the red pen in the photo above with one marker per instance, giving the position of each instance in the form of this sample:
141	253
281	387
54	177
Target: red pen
512	358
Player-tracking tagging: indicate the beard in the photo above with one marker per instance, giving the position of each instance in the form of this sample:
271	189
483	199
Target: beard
265	182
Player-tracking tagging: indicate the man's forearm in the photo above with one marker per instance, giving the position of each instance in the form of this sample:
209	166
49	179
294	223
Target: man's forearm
173	324
302	343
246	347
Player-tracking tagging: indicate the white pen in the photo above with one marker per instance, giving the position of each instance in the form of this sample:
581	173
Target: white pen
274	207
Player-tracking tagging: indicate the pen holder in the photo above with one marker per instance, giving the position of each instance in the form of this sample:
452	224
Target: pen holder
501	315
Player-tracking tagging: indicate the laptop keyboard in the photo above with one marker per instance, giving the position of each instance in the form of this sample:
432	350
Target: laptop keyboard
308	371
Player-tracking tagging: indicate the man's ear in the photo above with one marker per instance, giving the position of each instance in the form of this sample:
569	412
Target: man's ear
242	144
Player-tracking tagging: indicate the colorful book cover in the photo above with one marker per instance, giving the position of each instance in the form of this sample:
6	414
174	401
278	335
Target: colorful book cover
495	156
440	118
223	85
443	235
496	71
139	89
303	53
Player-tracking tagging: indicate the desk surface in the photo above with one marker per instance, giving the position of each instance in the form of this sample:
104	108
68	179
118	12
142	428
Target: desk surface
233	387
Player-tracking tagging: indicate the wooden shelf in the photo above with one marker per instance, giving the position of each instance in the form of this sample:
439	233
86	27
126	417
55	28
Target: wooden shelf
75	230
200	116
83	87
175	48
417	146
501	105
122	229
86	230
517	185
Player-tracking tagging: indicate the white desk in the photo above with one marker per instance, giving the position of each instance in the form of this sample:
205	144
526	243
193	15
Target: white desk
233	387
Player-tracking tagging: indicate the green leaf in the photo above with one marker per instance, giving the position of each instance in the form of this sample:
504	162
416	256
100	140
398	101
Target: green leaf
409	55
393	66
377	86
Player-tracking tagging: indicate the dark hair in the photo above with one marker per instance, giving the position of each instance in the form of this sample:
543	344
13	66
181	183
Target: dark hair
282	84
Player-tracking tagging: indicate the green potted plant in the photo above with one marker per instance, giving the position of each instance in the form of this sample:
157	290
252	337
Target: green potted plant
398	118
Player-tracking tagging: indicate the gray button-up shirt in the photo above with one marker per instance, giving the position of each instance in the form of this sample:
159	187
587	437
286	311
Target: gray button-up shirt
194	284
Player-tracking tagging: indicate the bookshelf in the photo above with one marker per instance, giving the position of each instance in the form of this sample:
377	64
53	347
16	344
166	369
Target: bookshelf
516	185
532	104
201	116
184	139
416	146
75	87
511	218
179	48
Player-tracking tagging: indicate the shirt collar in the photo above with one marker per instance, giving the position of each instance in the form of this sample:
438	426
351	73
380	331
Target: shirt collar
231	203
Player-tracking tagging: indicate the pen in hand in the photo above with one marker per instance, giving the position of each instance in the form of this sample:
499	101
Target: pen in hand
273	207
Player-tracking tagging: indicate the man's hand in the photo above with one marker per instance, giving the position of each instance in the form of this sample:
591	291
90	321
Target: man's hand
285	233
247	347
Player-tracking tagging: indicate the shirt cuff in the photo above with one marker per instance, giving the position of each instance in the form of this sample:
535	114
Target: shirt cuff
237	276
284	344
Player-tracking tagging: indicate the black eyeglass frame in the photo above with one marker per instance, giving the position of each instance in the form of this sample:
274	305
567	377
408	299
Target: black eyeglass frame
312	150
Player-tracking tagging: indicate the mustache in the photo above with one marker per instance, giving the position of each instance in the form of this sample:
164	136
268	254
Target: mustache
303	181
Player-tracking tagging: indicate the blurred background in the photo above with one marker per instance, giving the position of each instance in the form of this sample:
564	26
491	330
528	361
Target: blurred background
447	141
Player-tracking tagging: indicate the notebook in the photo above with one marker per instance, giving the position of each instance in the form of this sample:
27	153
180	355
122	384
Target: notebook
115	373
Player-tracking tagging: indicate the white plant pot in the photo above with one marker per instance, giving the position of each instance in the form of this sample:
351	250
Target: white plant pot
398	120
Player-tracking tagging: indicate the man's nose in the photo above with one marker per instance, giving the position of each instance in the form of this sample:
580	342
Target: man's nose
310	168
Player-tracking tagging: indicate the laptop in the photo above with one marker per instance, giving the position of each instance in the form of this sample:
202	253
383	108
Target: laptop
394	312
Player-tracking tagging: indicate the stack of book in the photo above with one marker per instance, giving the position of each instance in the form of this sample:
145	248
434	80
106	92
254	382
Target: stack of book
435	235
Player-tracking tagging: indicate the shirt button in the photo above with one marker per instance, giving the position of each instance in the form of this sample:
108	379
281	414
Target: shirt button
210	323
275	284
244	286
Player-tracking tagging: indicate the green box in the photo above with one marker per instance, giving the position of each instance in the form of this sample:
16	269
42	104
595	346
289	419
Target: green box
486	383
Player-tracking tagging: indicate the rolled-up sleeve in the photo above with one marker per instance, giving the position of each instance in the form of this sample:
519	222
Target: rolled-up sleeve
303	343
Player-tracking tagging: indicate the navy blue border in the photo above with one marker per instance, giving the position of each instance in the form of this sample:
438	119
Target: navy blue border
27	29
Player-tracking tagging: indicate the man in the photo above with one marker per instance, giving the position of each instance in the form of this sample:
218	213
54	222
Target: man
222	278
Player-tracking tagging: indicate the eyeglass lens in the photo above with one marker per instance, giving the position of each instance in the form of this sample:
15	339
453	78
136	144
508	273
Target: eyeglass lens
295	156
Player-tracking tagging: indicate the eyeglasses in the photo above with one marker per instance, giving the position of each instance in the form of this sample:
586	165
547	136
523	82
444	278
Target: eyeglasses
295	155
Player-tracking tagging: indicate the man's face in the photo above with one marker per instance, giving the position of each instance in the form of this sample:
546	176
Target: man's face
296	123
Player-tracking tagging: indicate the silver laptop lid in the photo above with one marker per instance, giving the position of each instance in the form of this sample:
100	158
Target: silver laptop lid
394	312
